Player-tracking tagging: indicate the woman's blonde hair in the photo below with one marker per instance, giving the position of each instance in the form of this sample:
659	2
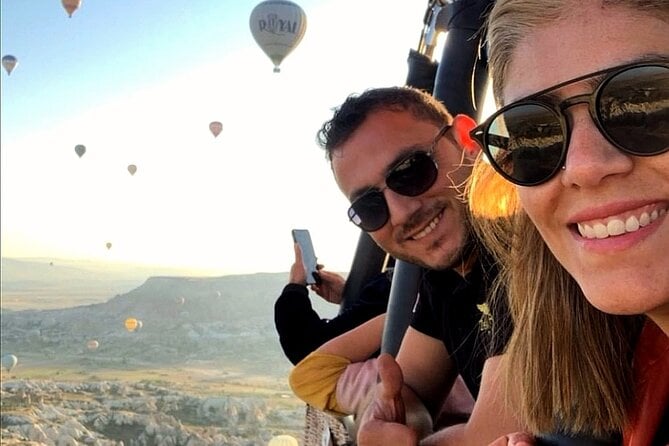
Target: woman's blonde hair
571	363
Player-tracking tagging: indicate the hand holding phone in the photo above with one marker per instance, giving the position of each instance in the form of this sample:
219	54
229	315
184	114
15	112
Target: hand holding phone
303	238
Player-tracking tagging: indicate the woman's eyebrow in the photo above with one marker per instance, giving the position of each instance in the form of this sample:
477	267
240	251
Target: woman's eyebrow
555	98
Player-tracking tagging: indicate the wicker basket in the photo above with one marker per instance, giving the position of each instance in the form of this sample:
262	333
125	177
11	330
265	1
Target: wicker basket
322	429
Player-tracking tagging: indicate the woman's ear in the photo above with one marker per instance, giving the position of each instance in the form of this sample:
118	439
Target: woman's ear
462	125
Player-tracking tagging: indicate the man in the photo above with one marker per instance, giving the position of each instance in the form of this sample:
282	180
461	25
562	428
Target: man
402	160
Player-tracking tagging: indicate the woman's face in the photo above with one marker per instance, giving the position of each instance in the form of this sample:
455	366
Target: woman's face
600	186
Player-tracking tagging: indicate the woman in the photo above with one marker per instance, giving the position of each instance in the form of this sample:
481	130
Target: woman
584	138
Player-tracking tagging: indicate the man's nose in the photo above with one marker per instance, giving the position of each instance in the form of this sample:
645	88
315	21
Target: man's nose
400	207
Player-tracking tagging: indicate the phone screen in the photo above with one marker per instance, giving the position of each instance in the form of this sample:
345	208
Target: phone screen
303	238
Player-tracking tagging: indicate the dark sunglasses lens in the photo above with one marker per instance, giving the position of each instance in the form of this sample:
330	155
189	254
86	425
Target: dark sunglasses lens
633	110
413	176
370	211
526	143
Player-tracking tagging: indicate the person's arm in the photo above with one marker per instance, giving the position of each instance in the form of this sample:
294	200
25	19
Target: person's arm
300	328
315	378
410	393
389	419
427	368
357	344
516	439
493	415
298	325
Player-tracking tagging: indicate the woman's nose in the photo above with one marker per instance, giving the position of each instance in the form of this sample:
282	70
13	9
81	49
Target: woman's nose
591	157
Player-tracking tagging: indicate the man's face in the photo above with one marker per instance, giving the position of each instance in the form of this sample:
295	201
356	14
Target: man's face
430	229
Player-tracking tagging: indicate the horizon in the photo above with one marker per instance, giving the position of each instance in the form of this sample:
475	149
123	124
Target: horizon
140	87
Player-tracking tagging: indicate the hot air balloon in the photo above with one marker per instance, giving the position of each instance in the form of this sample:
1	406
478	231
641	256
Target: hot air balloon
131	324
71	6
80	149
92	344
283	440
181	300
9	62
140	324
215	128
132	169
108	245
278	27
9	362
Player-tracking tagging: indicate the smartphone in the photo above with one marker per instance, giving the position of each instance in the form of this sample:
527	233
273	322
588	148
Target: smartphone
303	238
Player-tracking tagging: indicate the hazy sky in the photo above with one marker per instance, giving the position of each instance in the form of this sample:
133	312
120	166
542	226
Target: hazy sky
138	83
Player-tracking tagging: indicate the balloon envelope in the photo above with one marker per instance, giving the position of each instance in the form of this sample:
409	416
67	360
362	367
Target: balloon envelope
215	128
132	169
108	245
80	149
9	62
71	6
9	362
283	440
92	344
131	324
277	27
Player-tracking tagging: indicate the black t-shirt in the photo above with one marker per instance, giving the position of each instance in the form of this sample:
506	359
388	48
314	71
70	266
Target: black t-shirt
455	310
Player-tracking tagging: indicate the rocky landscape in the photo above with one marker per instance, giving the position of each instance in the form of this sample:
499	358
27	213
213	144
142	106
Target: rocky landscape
142	413
204	368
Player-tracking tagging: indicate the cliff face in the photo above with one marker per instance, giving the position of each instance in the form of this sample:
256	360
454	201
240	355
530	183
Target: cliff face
181	319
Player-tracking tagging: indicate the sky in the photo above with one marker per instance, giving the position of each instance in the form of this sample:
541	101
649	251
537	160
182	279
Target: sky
138	83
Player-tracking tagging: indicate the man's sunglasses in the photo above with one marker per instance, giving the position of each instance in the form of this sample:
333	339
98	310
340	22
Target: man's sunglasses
526	141
411	176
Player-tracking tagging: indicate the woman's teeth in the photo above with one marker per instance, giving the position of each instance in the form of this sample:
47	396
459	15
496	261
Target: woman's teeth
618	225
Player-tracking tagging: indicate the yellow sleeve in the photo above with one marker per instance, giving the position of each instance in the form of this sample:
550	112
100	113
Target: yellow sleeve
314	380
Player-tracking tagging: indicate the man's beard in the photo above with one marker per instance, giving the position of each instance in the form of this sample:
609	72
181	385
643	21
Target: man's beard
453	259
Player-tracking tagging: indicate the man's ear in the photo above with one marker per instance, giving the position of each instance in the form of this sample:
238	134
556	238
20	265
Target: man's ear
462	125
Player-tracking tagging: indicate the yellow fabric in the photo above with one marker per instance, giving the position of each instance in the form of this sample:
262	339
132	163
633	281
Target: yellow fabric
314	380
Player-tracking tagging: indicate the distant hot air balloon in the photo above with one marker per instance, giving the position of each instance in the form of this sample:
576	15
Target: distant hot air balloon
215	128
92	344
283	440
181	300
9	362
80	149
71	6
140	324
278	27
131	324
108	245
132	169
9	62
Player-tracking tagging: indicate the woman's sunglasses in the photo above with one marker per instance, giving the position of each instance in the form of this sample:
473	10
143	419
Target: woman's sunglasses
526	141
411	176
